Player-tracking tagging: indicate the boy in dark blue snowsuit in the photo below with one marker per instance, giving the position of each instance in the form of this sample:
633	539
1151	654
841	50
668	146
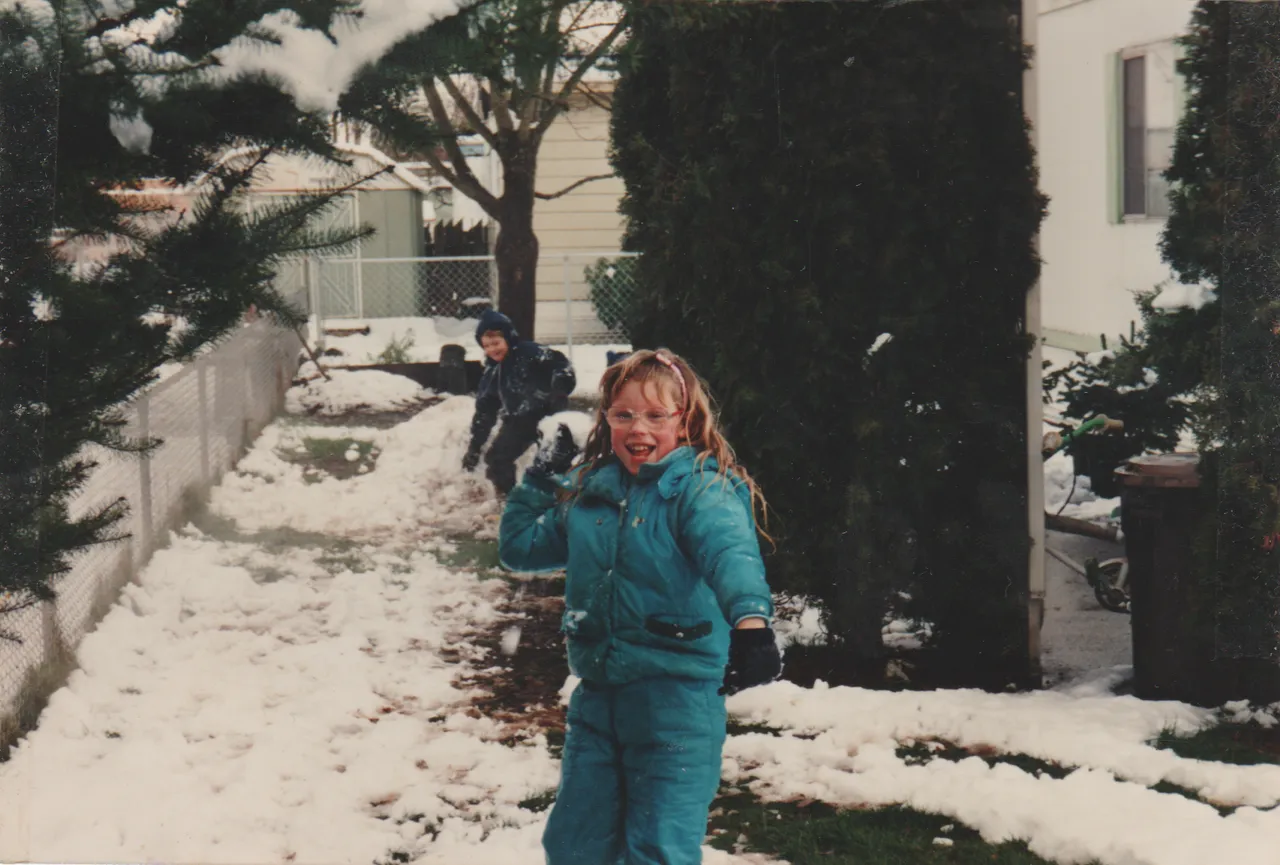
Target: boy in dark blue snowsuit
523	382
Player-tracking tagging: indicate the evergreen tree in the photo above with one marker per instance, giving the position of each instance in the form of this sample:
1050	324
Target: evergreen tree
837	232
92	105
503	70
1242	432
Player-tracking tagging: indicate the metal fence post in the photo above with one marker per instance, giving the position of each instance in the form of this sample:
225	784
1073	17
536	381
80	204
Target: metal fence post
568	307
202	417
311	276
144	481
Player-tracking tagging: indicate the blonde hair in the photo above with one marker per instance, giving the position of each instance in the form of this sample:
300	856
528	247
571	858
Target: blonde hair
699	428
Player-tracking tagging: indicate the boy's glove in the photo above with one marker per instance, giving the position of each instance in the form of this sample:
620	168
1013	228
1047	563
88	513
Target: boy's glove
753	659
471	460
554	457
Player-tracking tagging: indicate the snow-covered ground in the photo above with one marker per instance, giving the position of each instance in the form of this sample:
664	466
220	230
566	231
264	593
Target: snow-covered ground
1104	811
277	689
420	340
346	391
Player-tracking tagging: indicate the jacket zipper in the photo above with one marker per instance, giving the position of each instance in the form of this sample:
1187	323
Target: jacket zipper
617	545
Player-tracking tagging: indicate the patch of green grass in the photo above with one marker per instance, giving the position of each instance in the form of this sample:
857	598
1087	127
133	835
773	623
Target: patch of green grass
738	728
339	561
1239	744
818	834
1166	787
555	743
472	554
541	802
921	752
321	449
272	540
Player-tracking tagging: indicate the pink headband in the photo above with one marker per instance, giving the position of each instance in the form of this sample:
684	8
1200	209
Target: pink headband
670	364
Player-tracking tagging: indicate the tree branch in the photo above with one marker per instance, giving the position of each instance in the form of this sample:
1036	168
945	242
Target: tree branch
469	111
501	106
471	188
545	196
552	30
595	97
460	177
572	26
561	99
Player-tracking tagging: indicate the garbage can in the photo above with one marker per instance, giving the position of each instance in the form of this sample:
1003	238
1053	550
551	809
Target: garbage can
1171	616
453	369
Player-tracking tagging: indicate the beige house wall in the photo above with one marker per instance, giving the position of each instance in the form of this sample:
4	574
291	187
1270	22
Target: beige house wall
586	219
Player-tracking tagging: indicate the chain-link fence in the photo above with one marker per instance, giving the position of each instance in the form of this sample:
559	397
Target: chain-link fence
206	413
583	297
362	288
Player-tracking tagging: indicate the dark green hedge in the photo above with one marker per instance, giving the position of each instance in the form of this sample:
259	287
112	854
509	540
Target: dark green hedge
803	178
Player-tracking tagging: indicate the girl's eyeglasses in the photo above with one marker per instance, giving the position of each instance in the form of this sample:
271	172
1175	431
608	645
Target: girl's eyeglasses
620	419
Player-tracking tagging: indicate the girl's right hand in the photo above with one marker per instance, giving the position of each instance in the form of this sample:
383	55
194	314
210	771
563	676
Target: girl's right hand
754	659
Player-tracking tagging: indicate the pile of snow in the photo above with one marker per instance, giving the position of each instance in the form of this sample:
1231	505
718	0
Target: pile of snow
1174	296
906	633
1082	503
354	390
242	706
797	621
1103	811
579	425
417	489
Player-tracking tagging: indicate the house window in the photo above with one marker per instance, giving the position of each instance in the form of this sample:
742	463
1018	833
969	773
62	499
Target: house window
1148	106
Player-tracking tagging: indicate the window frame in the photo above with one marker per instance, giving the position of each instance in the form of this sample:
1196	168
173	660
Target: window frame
1124	140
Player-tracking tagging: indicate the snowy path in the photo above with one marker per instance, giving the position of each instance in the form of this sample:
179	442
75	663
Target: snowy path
244	706
284	688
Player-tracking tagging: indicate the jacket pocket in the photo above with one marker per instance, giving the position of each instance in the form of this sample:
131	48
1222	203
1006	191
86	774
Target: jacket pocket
686	629
580	625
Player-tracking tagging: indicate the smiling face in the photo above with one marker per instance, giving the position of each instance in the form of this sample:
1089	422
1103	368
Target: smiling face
494	345
644	440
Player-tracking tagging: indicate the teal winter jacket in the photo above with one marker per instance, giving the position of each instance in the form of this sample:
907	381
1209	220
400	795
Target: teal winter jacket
659	565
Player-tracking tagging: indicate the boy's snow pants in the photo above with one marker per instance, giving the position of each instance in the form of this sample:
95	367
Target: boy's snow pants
515	436
641	766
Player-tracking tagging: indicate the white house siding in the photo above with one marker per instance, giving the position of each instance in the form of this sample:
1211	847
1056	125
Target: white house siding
1093	260
585	220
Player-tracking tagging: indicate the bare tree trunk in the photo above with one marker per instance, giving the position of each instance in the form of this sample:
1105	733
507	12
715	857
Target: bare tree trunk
516	250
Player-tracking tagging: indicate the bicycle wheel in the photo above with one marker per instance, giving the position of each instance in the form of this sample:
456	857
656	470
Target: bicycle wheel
1109	595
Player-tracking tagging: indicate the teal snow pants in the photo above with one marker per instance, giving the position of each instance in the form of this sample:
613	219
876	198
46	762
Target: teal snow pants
641	766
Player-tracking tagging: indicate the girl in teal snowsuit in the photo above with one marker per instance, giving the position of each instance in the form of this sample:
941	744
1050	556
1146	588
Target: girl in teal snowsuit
665	587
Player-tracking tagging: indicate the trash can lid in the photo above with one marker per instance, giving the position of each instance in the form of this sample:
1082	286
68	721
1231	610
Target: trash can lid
1161	470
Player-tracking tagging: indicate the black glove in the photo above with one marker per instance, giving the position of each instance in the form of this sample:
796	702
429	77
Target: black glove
471	460
753	659
554	457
